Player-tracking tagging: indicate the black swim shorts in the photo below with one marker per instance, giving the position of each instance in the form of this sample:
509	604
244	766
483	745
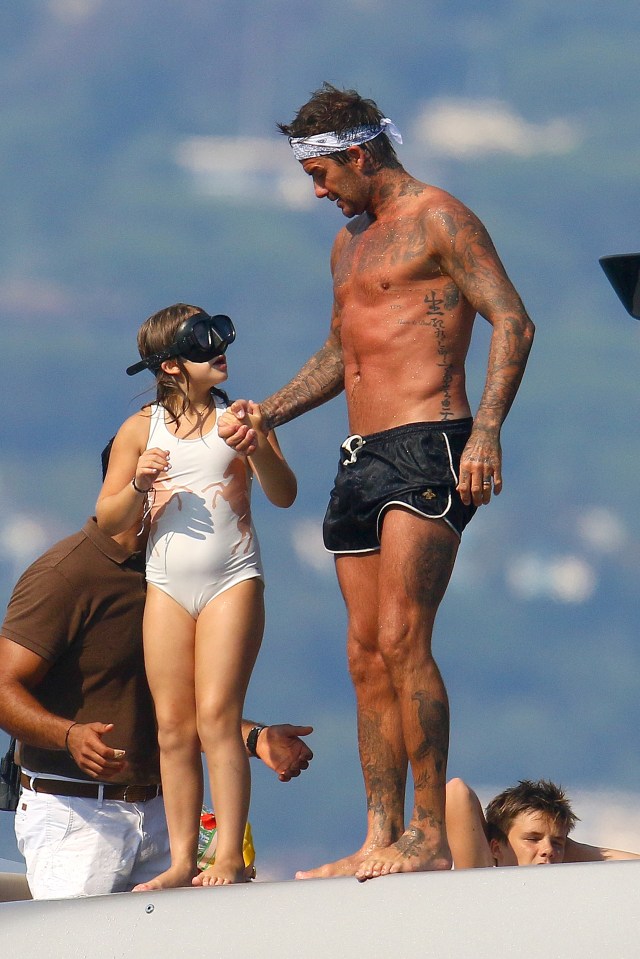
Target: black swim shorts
413	466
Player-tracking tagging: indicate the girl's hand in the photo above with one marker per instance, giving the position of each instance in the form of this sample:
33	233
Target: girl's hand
151	464
241	416
235	428
254	415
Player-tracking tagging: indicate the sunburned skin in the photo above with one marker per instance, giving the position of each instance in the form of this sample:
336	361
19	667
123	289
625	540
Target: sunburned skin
402	325
411	270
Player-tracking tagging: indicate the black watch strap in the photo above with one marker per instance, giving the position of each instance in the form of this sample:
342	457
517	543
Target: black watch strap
252	739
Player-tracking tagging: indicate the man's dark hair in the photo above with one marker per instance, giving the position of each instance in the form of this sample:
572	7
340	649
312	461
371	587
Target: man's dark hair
542	796
331	110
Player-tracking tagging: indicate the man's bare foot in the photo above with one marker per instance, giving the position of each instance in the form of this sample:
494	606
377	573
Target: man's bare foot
411	853
221	874
171	879
348	866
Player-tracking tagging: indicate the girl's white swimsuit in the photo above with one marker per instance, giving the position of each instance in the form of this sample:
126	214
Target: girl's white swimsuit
202	539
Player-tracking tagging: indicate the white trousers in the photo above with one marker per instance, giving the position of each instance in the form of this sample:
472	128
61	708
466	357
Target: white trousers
82	847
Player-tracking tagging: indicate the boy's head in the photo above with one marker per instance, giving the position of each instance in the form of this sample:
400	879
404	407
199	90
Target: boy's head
528	824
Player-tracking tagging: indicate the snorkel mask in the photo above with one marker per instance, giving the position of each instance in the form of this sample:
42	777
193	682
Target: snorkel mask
198	339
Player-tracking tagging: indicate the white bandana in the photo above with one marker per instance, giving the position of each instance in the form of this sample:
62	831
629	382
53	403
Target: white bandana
323	143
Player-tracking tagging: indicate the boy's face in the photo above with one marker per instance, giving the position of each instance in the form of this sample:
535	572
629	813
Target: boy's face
534	839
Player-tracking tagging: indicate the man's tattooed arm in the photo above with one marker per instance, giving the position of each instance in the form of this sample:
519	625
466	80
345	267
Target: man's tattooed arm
469	257
466	253
320	379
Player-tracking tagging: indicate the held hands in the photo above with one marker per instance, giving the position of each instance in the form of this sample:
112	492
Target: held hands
85	746
281	749
239	426
151	464
480	466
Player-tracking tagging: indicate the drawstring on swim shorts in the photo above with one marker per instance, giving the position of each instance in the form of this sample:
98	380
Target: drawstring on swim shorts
352	445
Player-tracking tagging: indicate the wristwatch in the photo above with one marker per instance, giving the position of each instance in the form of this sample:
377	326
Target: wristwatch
252	739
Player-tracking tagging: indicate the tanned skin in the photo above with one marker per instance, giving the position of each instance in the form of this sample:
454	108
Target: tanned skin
533	836
410	271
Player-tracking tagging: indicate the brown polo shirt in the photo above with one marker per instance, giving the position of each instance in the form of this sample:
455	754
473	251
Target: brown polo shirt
79	607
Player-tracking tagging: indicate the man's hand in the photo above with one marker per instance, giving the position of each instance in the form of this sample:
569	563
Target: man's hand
480	466
281	749
84	743
237	434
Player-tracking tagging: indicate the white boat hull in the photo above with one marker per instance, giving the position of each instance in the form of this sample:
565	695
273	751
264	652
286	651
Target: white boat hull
586	910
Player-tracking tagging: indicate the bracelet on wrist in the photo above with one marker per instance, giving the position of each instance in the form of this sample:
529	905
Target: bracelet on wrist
66	738
252	739
136	487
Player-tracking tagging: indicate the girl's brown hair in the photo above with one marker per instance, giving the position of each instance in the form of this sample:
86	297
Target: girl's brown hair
156	334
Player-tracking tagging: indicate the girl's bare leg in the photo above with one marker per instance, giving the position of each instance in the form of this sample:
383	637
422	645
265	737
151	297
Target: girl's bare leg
228	636
169	638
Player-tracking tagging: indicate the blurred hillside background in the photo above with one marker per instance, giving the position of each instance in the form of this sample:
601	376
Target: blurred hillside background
141	165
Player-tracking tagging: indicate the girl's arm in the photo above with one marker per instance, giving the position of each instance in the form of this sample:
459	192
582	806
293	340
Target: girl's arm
120	504
274	474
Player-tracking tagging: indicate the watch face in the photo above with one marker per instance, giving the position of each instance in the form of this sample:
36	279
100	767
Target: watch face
623	272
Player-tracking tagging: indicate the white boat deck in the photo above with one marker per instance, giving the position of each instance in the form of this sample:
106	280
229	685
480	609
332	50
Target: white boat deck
588	910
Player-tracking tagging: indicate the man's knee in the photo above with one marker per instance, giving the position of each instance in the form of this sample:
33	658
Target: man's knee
404	635
360	665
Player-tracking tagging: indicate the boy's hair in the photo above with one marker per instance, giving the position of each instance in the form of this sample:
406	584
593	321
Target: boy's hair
542	796
333	111
156	334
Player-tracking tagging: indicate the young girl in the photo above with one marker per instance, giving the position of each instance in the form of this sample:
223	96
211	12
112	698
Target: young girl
204	613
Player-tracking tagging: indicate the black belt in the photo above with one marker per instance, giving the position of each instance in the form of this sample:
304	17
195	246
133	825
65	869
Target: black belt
114	791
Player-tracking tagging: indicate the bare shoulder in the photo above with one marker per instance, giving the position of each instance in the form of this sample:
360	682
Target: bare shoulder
342	237
452	228
134	432
447	212
425	198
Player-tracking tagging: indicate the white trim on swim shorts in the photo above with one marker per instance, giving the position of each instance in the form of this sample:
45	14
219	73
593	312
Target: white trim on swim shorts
411	509
453	472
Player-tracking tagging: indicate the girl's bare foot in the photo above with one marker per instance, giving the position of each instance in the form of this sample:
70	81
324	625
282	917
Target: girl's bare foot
222	874
173	877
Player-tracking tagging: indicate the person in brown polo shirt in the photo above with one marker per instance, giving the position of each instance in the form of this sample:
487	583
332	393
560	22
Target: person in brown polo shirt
90	819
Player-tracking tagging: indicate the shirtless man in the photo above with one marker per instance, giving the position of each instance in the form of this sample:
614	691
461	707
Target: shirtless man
410	270
525	825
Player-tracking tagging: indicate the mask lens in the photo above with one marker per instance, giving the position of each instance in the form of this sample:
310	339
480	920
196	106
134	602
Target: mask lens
208	338
225	328
201	333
